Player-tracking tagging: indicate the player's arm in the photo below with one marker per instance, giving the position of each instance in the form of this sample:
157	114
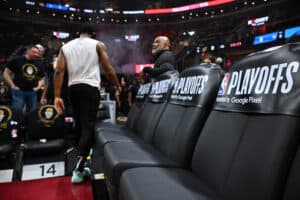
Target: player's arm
58	81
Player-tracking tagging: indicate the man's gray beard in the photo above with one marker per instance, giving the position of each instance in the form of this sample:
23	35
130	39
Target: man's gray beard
156	51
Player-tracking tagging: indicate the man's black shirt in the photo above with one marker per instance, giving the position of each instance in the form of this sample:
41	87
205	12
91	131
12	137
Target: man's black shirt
26	72
164	61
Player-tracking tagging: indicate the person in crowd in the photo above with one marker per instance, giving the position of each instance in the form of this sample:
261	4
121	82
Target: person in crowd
27	80
47	95
209	58
82	58
45	64
163	59
41	49
134	87
122	99
220	63
217	62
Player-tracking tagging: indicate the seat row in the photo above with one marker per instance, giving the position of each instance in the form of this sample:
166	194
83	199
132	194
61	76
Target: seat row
211	139
170	119
33	145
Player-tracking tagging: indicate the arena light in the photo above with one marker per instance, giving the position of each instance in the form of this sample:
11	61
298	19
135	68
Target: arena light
56	6
235	44
87	10
191	33
265	38
187	7
30	3
290	32
72	9
61	35
109	9
133	12
132	38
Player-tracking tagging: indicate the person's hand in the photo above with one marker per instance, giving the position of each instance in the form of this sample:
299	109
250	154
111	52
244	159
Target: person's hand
36	89
119	90
59	105
43	101
147	70
14	87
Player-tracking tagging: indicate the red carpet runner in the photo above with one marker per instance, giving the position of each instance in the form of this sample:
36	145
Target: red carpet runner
59	188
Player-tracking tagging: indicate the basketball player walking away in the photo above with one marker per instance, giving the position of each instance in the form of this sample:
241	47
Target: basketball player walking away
82	58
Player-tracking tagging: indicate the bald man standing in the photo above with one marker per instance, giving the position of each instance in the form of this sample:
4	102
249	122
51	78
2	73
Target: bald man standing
163	59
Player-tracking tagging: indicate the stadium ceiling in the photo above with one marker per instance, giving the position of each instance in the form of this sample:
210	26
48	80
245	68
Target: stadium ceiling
129	11
125	4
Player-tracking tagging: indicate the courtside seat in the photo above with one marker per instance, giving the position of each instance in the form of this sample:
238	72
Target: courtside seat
177	131
5	93
114	130
133	114
45	143
142	119
10	131
146	119
45	131
248	143
293	183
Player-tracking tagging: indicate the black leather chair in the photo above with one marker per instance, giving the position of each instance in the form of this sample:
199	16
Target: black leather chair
177	131
139	125
246	148
45	143
292	187
132	116
5	93
10	132
145	119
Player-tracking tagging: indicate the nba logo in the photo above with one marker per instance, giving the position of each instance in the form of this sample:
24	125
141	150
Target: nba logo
224	84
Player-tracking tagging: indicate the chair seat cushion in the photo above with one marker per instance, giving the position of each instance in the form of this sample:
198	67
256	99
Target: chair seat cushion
101	125
120	156
38	147
115	135
150	183
6	149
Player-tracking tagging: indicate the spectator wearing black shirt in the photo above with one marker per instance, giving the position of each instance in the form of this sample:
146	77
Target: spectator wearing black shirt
164	60
134	87
27	80
122	100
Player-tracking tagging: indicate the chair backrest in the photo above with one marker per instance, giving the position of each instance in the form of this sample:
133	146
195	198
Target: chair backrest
45	123
249	140
137	107
5	93
154	106
10	122
190	102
